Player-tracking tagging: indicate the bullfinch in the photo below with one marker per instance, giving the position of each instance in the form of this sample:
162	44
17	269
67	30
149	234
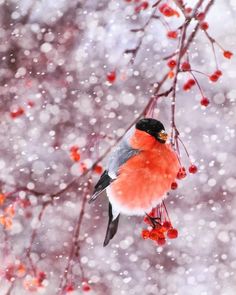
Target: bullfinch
139	173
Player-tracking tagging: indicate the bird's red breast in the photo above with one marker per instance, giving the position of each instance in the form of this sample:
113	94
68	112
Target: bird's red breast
146	177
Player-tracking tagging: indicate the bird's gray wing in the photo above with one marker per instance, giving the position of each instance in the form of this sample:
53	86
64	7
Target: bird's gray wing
119	156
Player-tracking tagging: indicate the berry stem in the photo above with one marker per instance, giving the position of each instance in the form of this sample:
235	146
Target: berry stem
212	41
198	85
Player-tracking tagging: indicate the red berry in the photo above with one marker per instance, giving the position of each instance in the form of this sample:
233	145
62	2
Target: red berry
200	16
74	153
205	101
161	241
185	66
191	82
30	103
145	234
111	77
218	73
142	6
174	185
154	234
172	34
41	277
86	287
167	225
192	169
168	11
182	173
145	5
172	233
160	232
69	288
204	26
19	112
188	10
228	54
214	78
97	169
186	87
171	64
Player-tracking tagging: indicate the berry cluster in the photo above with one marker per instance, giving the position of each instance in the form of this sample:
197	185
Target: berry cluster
71	288
74	153
182	174
168	11
160	226
215	76
75	156
33	284
7	217
17	113
14	270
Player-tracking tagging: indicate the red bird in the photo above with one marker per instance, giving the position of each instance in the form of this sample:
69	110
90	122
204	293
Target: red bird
139	173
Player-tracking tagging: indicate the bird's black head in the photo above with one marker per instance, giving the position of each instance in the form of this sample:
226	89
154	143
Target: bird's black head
153	127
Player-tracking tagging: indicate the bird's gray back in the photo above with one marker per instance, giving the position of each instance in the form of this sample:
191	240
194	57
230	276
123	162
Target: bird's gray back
121	154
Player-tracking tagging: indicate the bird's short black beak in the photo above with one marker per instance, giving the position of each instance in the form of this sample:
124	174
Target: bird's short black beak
162	136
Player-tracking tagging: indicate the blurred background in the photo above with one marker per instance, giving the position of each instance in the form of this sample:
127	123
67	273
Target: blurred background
68	92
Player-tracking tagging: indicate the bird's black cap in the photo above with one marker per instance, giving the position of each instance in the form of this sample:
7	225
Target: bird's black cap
151	126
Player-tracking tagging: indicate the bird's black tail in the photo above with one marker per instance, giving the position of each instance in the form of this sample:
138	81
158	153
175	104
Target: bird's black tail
111	227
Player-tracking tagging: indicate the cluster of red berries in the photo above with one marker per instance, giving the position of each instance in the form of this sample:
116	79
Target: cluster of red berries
215	76
168	11
70	287
189	84
17	113
74	153
160	232
142	6
182	174
75	156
